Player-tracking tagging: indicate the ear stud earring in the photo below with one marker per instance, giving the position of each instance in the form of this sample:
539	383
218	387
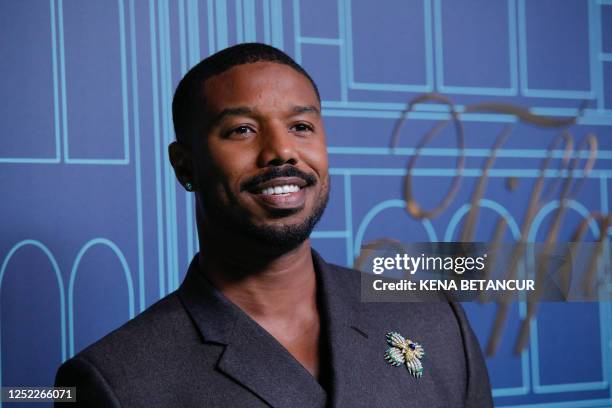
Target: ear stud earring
188	186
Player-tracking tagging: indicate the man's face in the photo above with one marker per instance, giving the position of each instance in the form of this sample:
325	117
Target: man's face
262	159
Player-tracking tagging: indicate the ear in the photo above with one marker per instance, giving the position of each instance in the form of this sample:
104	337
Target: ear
180	158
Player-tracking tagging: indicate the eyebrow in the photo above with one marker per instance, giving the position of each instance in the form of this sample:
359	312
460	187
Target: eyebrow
244	111
239	111
306	109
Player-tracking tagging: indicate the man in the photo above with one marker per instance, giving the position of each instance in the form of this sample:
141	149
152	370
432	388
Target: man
261	319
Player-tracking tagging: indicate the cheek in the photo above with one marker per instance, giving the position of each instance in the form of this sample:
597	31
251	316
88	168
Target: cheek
315	156
227	161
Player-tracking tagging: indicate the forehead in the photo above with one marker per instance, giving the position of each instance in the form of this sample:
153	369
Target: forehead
258	84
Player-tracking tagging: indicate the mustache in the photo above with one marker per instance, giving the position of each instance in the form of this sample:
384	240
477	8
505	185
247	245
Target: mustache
276	172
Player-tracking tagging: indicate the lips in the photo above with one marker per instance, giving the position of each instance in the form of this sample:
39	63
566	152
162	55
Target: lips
280	188
277	176
279	183
284	189
284	193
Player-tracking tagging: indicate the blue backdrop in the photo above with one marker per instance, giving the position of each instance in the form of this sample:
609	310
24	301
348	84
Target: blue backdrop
94	227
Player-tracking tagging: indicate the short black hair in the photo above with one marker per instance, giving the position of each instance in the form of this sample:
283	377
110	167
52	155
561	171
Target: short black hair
189	96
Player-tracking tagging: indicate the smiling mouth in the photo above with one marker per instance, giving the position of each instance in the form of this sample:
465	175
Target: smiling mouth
280	186
280	190
281	193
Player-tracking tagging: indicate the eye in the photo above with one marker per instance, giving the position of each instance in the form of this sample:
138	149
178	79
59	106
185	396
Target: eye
239	131
302	128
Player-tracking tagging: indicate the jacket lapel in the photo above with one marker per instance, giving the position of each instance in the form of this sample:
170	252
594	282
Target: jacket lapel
348	337
252	357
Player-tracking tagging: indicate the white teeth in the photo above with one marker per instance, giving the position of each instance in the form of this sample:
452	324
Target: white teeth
284	189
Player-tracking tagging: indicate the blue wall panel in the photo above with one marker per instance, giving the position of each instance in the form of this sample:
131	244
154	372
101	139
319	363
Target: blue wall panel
30	90
94	75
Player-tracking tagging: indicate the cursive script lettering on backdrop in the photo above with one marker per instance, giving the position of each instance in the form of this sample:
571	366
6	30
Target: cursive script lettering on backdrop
563	188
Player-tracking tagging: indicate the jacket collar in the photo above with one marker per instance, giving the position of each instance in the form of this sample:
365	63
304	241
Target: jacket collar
256	360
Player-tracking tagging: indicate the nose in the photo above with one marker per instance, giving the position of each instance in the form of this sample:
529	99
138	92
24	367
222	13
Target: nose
277	147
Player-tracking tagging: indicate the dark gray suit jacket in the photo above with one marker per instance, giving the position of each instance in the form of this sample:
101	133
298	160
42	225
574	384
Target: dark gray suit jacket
194	348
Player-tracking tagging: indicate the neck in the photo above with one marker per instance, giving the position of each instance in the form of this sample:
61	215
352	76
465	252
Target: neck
267	283
275	287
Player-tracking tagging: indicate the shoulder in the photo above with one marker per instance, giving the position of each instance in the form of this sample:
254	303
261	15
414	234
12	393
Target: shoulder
158	326
144	342
144	362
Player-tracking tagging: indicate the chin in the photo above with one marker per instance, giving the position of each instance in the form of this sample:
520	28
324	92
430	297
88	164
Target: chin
281	235
283	229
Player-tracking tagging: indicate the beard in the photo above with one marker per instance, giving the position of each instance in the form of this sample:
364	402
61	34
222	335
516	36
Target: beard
280	236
